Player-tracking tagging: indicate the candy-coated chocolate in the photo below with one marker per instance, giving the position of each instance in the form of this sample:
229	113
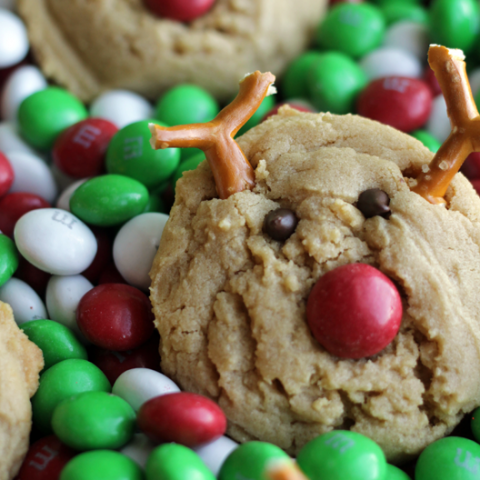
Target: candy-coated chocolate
400	10
431	80
342	454
185	418
428	140
354	311
138	385
176	462
113	364
6	175
250	460
94	420
353	29
121	107
25	302
471	166
80	150
135	246
63	200
401	102
213	454
55	241
8	258
101	465
45	459
33	276
449	458
62	381
103	256
280	224
438	123
32	175
410	36
43	115
110	274
56	341
179	10
13	39
10	140
115	317
131	154
109	200
138	449
394	473
294	80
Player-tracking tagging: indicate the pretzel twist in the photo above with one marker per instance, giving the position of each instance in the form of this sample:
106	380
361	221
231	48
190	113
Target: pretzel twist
449	68
284	470
231	170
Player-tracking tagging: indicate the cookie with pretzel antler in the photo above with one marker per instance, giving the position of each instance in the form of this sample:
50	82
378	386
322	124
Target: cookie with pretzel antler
96	45
231	296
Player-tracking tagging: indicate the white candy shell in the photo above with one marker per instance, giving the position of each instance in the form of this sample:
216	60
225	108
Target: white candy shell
474	79
413	37
138	385
135	247
23	299
32	175
438	123
10	140
55	241
139	449
121	107
63	200
215	453
62	298
388	61
20	84
13	39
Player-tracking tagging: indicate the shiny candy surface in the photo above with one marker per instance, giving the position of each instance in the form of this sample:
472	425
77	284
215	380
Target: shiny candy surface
410	36
449	458
185	418
94	420
428	140
33	276
56	341
354	311
8	258
401	102
25	302
109	200
131	154
176	462
138	449
55	241
6	174
63	200
43	115
115	316
135	247
294	82
438	124
180	10
62	381
138	385
213	454
13	39
80	150
342	454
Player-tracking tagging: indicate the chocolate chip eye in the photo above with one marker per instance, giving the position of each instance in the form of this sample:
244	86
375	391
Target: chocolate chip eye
279	224
374	202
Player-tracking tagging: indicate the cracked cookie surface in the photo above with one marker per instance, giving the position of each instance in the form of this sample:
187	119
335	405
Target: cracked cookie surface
230	302
20	364
92	46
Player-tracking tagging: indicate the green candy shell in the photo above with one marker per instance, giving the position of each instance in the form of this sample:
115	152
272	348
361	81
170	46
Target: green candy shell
8	258
427	139
294	82
394	473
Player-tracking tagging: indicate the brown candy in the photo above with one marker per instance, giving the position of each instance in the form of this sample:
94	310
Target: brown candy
231	170
374	202
449	68
279	224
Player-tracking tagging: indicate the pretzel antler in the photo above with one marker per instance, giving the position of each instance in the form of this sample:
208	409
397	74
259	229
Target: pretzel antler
231	170
449	68
284	470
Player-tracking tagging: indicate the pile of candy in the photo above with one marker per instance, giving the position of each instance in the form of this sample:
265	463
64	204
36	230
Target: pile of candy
83	202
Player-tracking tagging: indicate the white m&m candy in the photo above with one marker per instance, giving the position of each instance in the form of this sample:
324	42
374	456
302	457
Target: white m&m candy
13	39
55	241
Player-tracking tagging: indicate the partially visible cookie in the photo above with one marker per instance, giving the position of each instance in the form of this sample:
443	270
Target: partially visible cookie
20	364
93	46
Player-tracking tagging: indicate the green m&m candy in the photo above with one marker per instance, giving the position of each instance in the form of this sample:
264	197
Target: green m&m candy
451	458
101	465
427	139
352	28
43	115
294	81
8	258
342	454
334	83
250	460
394	473
56	341
63	380
400	10
267	104
109	200
130	153
176	462
94	420
454	23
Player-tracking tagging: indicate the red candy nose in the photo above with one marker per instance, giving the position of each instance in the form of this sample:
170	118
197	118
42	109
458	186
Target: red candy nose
354	311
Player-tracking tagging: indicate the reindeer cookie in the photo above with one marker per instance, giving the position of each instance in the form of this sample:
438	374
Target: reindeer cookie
93	46
230	295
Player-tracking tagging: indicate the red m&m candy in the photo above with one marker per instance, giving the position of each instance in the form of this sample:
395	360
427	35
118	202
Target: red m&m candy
179	10
354	311
6	175
80	150
401	102
115	316
185	418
